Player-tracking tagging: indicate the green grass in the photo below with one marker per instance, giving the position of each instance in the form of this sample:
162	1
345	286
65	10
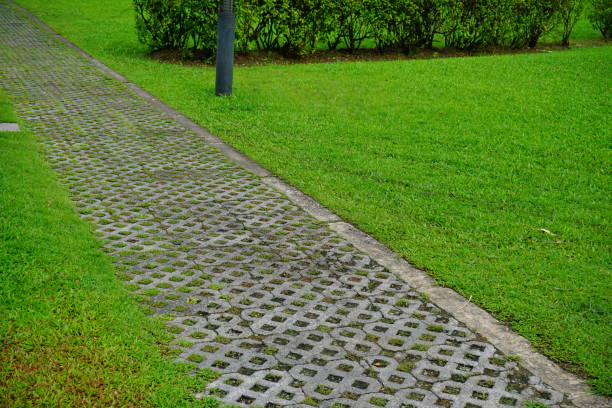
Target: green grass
6	114
70	334
459	165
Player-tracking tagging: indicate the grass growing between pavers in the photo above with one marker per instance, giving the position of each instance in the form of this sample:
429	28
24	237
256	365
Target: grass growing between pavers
490	173
70	334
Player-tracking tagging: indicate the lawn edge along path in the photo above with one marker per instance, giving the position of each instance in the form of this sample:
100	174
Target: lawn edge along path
461	308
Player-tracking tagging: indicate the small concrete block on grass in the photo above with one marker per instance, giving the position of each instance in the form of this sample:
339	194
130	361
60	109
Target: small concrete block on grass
9	127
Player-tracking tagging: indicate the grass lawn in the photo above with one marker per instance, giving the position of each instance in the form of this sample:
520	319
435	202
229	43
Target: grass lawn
70	334
491	173
6	114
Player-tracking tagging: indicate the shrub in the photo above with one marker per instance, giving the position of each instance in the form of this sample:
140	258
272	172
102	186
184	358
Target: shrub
600	16
288	26
300	27
512	23
408	24
347	21
476	24
569	13
259	22
533	19
294	27
154	23
181	24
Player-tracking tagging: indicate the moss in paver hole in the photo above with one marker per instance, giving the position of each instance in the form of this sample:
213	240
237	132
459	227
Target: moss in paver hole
486	383
350	395
444	403
420	347
313	402
497	361
235	382
435	328
396	342
378	401
324	389
439	362
196	358
459	333
184	289
198	335
285	395
324	329
459	378
534	404
406	367
480	395
370	373
424	385
402	303
412	358
297	384
220	364
415	396
273	377
269	350
451	390
507	401
427	337
259	388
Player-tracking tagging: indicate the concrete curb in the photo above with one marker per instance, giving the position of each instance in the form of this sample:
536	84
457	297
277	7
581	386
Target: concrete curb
477	319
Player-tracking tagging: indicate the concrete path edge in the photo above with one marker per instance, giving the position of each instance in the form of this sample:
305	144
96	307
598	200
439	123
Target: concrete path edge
476	318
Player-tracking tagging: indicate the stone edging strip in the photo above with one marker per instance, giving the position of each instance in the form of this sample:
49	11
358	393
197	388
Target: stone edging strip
476	319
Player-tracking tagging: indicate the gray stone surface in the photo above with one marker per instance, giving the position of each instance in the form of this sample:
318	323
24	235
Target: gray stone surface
9	127
288	311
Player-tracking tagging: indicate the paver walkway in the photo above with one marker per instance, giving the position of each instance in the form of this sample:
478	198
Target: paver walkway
290	313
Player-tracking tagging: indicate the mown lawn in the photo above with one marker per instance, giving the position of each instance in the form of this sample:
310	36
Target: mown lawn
6	114
70	334
491	173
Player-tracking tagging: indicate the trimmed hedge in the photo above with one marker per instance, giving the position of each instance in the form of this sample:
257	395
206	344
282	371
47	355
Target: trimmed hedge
297	27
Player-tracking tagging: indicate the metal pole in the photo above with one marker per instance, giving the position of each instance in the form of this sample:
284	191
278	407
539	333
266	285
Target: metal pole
225	48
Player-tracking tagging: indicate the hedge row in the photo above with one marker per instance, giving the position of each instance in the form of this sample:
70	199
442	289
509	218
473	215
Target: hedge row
297	27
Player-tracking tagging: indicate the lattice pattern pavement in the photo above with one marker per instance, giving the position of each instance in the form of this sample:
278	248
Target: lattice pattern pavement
290	313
